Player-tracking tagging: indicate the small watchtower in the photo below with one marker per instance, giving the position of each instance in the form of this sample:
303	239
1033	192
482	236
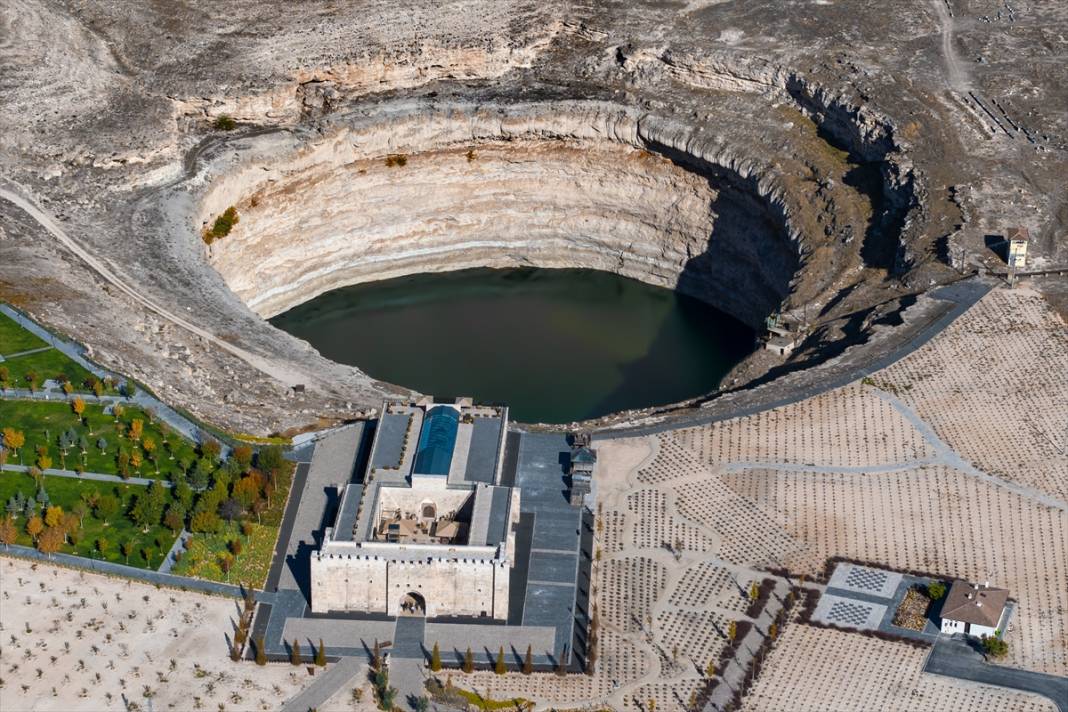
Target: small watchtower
1017	238
580	469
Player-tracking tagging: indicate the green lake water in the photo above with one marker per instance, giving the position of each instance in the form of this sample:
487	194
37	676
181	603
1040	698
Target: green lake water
553	345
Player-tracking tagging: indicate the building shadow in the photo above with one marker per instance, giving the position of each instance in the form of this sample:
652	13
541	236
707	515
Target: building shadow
998	245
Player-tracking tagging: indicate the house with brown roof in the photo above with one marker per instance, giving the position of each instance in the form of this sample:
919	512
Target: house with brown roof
974	610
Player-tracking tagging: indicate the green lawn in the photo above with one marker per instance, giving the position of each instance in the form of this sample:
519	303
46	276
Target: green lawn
65	492
13	338
47	364
42	422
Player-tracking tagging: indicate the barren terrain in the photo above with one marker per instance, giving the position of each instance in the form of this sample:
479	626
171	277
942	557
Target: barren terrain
81	641
873	151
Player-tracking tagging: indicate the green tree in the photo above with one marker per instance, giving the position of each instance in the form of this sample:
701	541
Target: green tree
320	654
732	631
710	671
107	506
148	507
128	547
435	658
528	661
205	522
935	590
499	667
754	591
270	460
174	519
242	455
102	545
421	704
294	652
210	448
469	661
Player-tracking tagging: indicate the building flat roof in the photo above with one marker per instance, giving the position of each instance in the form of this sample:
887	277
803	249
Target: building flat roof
389	437
485	450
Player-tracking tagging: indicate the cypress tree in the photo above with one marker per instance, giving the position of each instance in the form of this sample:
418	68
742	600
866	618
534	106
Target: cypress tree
469	661
320	654
376	657
294	652
561	665
499	667
261	654
528	662
435	659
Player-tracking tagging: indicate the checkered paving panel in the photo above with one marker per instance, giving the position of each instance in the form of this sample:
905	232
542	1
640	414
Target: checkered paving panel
849	614
866	579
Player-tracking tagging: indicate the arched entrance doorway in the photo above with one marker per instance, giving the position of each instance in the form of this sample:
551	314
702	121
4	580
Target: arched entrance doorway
413	604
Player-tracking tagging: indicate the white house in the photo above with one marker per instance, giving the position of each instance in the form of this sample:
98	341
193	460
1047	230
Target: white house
974	610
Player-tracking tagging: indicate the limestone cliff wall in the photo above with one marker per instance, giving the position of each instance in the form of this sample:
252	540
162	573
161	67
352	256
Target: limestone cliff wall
584	186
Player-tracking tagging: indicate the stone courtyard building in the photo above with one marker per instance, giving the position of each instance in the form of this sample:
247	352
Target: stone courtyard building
430	529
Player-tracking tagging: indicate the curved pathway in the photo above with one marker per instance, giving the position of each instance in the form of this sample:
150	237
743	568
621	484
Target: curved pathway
264	365
956	70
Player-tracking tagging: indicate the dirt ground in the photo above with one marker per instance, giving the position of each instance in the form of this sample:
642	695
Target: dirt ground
71	640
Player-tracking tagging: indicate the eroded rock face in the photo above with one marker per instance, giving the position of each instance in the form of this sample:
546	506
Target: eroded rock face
815	158
542	187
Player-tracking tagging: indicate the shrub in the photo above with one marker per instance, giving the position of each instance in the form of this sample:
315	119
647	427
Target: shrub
935	590
396	159
222	226
224	123
994	646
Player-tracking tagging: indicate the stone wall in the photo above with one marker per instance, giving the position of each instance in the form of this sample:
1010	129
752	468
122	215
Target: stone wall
375	584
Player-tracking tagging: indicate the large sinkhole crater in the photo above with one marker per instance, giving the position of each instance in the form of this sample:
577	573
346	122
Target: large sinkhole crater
599	189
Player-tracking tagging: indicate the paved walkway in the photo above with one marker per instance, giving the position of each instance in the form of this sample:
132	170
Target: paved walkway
25	353
326	684
944	455
170	560
96	476
957	659
949	457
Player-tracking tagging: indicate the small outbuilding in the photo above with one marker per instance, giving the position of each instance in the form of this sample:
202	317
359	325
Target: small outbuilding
974	610
1017	238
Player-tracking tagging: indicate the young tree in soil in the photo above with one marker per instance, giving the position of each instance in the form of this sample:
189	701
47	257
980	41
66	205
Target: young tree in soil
469	661
435	659
499	667
294	652
320	654
528	661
